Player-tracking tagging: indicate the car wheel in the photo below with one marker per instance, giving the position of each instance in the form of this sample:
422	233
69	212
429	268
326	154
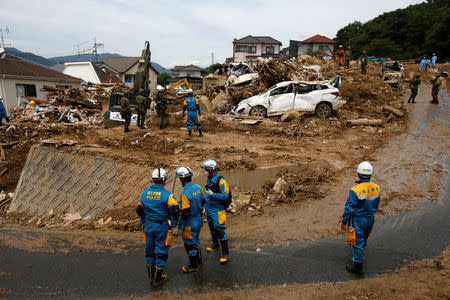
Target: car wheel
323	110
258	111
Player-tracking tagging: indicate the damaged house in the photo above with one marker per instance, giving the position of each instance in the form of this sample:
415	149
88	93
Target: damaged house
248	49
21	78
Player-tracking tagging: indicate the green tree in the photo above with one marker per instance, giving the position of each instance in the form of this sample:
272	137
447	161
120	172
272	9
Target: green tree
417	30
212	68
163	79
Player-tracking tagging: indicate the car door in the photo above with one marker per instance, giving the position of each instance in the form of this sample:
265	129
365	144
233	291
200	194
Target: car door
307	96
280	100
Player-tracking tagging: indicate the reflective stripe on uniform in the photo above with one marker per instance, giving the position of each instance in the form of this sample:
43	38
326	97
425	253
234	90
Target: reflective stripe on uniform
367	191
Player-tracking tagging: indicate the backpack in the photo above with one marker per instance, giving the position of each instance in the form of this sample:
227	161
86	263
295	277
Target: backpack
216	189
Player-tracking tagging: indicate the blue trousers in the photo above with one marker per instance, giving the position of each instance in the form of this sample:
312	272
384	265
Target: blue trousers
158	239
191	119
191	239
216	220
363	227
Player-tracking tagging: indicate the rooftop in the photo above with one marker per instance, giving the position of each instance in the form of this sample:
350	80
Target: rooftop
318	39
14	66
249	39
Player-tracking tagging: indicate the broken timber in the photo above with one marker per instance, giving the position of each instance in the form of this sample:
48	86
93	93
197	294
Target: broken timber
364	122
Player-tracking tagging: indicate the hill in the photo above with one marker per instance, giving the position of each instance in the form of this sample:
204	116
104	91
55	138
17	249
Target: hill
31	57
412	32
48	62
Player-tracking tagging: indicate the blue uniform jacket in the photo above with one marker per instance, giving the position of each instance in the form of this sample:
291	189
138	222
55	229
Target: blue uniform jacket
191	199
157	202
217	200
2	111
191	104
362	201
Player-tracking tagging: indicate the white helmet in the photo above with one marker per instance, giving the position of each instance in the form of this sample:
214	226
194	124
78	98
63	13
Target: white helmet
184	172
1	98
209	165
365	168
190	91
159	175
159	88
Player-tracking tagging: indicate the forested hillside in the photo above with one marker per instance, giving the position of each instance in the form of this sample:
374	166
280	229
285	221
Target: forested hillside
412	32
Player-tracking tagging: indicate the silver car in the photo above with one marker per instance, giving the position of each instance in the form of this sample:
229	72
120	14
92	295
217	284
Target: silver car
319	97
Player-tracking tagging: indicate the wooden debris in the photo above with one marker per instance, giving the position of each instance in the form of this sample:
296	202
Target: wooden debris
364	122
250	122
393	110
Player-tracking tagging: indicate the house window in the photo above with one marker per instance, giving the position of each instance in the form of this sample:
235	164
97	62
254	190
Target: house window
251	49
58	86
241	48
270	49
26	90
321	47
128	78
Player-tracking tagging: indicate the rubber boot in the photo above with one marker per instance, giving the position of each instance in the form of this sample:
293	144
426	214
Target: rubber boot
200	132
189	133
214	245
409	100
151	272
159	278
225	254
355	268
199	256
193	264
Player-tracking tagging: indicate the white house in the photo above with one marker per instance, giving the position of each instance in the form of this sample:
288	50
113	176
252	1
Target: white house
91	72
316	43
249	48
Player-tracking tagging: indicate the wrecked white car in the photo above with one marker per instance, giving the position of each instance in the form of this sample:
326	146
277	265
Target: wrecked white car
319	97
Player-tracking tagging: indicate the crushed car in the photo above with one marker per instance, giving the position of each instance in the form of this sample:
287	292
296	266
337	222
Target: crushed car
319	97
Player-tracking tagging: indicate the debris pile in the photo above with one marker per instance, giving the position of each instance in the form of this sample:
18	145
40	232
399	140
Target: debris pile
67	106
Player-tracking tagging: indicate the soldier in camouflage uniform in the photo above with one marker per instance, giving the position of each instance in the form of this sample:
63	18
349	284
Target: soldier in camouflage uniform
414	85
141	106
125	112
435	89
364	60
348	57
161	106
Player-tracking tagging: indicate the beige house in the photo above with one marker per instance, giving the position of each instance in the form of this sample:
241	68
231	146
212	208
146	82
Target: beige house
188	71
249	48
21	78
126	67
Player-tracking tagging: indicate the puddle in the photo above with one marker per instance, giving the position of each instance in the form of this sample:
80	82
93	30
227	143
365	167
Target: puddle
245	179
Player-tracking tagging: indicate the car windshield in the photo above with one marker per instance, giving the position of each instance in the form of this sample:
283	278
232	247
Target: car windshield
282	90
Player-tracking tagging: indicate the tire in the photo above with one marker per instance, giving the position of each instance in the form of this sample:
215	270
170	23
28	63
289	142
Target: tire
258	111
323	110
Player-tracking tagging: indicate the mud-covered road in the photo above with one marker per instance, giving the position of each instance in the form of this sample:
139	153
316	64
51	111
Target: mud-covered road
422	232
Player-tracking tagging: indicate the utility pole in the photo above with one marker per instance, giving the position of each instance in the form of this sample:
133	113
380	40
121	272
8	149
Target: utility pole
212	58
6	30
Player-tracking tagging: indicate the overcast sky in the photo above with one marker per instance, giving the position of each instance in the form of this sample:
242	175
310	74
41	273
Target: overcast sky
180	32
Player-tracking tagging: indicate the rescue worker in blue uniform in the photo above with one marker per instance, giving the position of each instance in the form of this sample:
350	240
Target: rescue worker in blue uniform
193	112
156	207
361	205
3	114
191	203
218	198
